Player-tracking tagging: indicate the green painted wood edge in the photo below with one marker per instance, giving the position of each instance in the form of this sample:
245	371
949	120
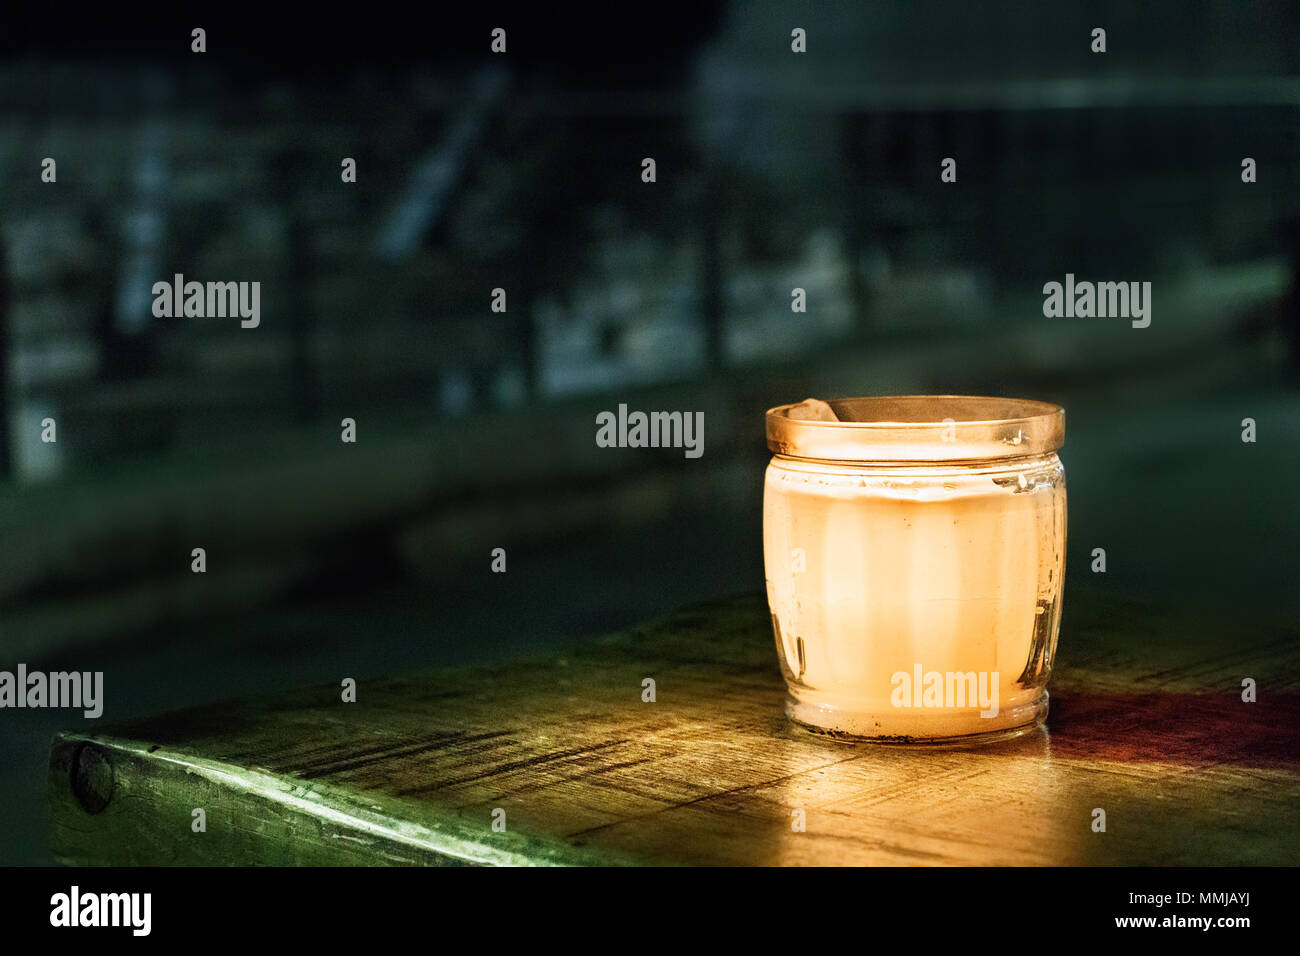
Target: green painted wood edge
252	817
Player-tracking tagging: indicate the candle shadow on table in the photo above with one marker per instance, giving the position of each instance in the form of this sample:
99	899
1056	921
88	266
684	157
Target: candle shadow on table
1195	730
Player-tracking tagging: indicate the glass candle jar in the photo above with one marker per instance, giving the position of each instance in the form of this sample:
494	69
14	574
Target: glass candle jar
915	553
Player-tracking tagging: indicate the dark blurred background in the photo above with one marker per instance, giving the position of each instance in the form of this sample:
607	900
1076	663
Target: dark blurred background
522	171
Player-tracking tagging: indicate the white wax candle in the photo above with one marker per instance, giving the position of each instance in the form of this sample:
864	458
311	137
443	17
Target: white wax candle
879	580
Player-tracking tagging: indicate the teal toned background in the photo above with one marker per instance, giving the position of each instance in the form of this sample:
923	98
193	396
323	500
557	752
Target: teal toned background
476	430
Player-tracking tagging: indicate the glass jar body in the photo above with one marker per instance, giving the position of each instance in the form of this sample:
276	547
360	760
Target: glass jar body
915	602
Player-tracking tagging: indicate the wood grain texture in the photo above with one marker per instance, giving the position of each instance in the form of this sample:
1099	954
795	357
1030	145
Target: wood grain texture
1147	723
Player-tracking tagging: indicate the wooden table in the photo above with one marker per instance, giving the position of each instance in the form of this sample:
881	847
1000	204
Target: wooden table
1147	723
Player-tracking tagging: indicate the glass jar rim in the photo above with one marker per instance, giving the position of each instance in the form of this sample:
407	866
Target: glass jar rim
899	428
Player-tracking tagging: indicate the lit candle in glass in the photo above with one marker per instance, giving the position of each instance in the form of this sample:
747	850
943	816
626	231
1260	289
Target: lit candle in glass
915	550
